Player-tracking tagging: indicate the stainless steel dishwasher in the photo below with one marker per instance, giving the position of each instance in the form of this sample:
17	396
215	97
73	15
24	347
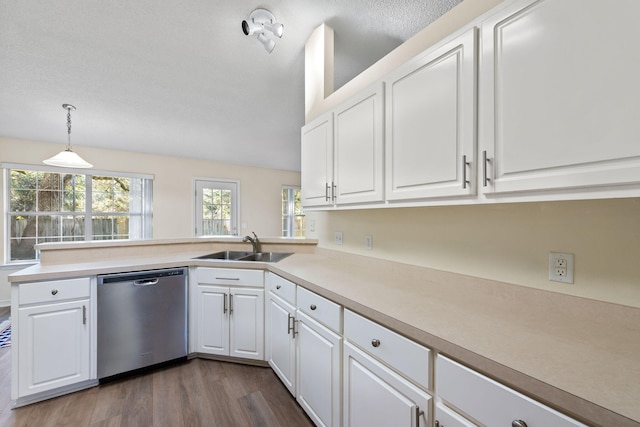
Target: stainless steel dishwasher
142	319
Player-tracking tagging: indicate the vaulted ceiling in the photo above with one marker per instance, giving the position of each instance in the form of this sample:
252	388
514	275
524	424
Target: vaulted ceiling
180	77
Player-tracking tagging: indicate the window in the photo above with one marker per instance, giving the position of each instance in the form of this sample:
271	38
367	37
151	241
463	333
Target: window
292	213
217	210
57	205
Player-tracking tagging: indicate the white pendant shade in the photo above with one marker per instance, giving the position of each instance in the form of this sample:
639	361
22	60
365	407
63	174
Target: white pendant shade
68	159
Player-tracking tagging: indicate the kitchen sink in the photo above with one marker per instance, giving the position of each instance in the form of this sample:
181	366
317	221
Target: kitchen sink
246	256
265	256
225	255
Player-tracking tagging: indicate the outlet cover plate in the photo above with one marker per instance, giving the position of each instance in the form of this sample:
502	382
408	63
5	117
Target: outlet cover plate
368	242
338	238
561	267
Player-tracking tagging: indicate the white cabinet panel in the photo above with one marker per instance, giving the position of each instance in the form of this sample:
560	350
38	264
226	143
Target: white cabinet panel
280	341
317	161
446	417
405	356
246	329
560	95
359	148
430	123
490	402
376	396
54	346
213	324
318	355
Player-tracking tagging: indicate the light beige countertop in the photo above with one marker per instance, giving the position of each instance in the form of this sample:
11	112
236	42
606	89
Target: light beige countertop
578	355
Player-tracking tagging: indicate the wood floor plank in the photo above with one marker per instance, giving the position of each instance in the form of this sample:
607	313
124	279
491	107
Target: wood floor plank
197	393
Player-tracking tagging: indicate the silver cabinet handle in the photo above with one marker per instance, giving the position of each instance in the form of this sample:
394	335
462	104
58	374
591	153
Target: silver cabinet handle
438	424
54	292
518	423
485	161
227	278
375	342
326	192
224	304
278	286
84	314
291	324
230	303
334	189
313	307
418	414
465	164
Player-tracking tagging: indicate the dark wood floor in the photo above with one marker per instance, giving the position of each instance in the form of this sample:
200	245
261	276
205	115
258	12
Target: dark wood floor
197	393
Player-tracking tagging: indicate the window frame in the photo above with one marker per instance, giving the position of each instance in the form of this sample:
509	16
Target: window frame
146	214
291	215
216	183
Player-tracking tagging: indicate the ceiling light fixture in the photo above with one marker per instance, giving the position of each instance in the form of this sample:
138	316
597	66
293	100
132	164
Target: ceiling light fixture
263	25
67	158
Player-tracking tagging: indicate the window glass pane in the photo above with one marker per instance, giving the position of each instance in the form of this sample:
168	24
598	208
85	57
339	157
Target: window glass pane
21	179
22	201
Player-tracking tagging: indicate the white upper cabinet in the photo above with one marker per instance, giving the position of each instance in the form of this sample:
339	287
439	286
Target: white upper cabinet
317	161
430	123
560	96
359	147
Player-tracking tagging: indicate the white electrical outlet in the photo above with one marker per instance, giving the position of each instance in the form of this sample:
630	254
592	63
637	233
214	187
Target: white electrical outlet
368	242
312	225
338	238
561	267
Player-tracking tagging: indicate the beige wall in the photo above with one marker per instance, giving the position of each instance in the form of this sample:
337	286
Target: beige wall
505	242
260	197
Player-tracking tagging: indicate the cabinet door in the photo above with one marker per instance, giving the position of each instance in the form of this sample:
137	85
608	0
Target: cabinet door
280	342
246	329
318	352
559	103
213	320
376	396
54	344
359	148
317	162
430	123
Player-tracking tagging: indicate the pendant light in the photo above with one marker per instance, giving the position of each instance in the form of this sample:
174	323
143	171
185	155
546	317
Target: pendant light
67	158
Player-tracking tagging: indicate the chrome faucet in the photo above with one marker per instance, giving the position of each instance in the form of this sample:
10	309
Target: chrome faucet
254	242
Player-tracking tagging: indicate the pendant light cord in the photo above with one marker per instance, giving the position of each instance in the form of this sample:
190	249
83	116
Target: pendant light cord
69	128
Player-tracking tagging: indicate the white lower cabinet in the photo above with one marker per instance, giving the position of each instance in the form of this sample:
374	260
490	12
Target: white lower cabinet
374	395
280	342
229	320
53	336
490	402
318	355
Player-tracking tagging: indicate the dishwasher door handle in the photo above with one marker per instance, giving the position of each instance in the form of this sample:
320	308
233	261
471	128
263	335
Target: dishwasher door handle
146	282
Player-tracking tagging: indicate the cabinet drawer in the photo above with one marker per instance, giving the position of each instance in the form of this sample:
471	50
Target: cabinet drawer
490	402
405	356
320	309
230	276
281	287
54	290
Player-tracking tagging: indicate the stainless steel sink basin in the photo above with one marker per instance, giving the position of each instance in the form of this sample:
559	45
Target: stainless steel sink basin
265	256
245	256
225	255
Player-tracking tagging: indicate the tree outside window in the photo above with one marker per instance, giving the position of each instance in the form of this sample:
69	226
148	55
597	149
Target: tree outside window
292	213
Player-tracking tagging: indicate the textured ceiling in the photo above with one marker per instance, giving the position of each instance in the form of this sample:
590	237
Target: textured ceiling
179	77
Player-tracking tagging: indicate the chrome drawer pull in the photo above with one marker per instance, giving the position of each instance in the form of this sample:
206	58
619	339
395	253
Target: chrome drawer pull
518	423
278	286
227	278
418	414
313	307
375	342
54	292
